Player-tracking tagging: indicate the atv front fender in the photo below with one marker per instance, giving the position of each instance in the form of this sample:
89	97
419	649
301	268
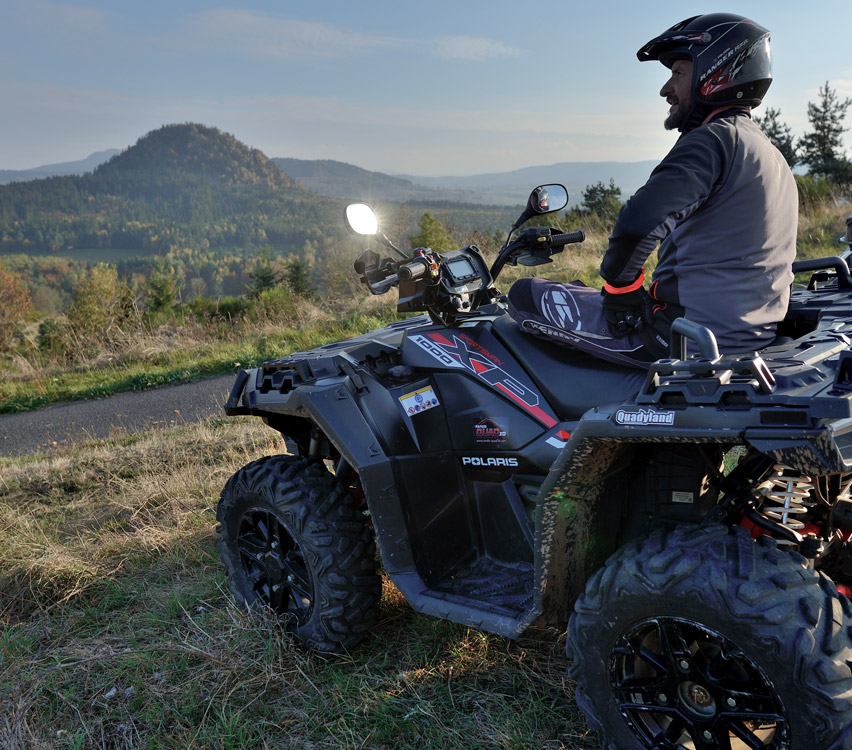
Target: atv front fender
329	404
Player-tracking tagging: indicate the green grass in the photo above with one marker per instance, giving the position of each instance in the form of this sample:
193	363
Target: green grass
175	362
117	629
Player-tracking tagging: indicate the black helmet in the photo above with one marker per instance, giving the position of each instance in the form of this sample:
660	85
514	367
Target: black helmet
730	58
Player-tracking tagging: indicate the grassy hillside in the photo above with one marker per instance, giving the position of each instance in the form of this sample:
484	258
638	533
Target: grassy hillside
117	630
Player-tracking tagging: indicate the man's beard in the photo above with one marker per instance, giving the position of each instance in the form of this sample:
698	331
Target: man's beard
676	120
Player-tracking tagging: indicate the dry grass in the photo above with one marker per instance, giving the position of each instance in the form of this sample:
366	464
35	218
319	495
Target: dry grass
116	629
820	227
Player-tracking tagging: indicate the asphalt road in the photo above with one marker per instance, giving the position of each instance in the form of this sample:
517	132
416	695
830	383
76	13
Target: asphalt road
124	413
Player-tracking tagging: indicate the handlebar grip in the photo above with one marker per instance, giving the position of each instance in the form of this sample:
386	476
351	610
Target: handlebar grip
567	239
411	271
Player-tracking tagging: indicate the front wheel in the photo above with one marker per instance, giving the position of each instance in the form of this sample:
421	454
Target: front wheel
292	538
701	638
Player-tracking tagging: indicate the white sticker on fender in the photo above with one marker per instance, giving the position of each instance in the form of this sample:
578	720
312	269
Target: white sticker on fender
419	401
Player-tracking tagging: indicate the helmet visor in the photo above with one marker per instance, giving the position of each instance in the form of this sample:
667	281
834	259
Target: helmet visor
674	43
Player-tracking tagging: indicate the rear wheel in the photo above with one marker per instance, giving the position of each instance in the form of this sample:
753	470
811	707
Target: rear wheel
702	638
292	538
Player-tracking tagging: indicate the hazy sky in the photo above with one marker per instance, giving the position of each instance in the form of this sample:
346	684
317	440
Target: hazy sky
429	88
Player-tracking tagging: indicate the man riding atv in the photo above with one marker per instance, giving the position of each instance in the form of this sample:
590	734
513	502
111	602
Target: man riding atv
722	204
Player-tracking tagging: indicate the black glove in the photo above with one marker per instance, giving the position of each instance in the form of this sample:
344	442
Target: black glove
629	310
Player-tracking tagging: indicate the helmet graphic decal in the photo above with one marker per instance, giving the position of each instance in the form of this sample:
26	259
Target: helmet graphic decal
697	38
561	310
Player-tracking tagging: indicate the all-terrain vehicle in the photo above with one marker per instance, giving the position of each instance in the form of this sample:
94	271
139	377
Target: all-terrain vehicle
690	523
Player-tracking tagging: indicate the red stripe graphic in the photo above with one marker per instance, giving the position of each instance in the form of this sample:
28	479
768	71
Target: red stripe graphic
541	415
441	340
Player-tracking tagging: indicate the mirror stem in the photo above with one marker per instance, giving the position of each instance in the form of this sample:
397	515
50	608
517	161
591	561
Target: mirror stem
387	243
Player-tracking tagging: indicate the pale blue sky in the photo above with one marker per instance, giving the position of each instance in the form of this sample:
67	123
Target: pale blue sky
430	88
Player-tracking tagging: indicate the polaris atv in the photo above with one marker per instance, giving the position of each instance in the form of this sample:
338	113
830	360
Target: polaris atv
510	481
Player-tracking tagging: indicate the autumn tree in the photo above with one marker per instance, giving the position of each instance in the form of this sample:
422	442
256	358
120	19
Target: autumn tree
102	312
14	306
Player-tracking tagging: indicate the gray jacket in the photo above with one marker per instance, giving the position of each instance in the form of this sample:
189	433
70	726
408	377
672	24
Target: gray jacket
723	205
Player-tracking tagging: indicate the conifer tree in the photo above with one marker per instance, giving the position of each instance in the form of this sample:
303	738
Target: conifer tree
264	275
822	148
779	134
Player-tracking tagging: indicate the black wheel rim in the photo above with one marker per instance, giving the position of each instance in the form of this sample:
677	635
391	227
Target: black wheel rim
679	684
275	565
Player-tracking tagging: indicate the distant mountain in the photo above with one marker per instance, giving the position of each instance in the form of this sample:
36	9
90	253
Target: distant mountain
506	187
180	186
343	180
192	186
198	151
57	170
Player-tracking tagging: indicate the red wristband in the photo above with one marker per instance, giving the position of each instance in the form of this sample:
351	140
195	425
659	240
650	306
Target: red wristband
609	289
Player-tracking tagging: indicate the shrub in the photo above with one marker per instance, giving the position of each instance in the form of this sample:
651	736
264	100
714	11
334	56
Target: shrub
51	337
813	192
103	313
274	304
226	307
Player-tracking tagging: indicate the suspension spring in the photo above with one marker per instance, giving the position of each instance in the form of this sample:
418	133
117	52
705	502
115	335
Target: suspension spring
787	495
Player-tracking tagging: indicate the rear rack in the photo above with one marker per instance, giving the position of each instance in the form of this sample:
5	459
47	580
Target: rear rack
812	374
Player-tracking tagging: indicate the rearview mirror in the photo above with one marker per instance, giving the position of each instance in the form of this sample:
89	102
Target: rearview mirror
361	219
547	198
543	200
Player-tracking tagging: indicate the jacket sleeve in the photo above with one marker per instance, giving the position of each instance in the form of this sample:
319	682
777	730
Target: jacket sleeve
677	187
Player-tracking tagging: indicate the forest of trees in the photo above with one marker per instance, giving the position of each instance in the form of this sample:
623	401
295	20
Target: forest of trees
179	186
182	187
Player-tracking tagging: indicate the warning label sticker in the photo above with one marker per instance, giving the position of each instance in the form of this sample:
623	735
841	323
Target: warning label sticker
419	401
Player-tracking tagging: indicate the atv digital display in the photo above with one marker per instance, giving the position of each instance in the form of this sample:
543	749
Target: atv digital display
460	270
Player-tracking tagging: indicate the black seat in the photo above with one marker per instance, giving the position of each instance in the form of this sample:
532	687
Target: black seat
571	381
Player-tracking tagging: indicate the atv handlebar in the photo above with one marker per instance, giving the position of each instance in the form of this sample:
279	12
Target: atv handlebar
558	240
458	281
533	246
413	270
